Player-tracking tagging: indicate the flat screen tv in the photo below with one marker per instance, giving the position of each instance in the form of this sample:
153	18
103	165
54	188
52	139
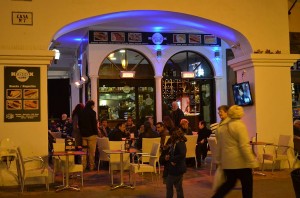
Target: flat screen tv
242	94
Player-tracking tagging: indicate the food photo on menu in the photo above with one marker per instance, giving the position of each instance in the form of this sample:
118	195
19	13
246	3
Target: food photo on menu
30	93
100	36
210	39
30	104
134	37
179	38
118	36
13	93
194	38
13	104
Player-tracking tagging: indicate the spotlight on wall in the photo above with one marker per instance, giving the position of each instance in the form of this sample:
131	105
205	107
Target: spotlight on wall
56	56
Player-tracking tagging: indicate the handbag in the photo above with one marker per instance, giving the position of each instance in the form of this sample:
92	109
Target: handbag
219	178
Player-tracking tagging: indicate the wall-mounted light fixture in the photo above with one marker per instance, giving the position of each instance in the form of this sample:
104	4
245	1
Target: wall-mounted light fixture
158	53
127	74
56	56
187	74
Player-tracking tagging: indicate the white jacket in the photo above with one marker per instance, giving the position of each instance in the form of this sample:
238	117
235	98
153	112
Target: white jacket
233	146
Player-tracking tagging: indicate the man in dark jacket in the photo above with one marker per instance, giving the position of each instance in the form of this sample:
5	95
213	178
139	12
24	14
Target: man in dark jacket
201	148
177	114
89	131
118	133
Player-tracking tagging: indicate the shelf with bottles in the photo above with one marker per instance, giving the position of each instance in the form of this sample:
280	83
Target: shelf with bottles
174	88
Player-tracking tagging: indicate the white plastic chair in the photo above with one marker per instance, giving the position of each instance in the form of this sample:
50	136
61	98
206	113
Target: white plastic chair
277	152
212	142
32	171
191	147
102	144
147	147
143	168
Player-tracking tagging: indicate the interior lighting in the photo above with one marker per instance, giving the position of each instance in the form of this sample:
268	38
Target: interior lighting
127	74
187	74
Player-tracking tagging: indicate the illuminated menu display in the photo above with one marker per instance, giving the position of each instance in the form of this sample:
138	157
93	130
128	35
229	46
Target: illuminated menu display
22	94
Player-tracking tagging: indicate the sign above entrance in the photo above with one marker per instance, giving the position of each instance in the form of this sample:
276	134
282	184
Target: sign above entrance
153	38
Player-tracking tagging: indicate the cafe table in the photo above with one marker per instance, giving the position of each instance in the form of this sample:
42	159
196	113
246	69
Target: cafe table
67	154
121	152
253	144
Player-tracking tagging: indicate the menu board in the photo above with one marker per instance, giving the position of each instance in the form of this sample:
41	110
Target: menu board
153	38
22	94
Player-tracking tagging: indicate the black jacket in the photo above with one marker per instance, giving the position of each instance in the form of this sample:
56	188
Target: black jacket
203	134
177	155
87	122
116	135
176	116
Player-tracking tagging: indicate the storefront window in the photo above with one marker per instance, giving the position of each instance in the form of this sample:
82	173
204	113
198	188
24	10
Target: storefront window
195	96
120	97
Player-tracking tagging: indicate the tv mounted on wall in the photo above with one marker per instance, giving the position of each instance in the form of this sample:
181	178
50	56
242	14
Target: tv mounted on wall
242	94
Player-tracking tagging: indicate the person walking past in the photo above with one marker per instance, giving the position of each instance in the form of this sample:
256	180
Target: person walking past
76	132
87	123
177	166
234	154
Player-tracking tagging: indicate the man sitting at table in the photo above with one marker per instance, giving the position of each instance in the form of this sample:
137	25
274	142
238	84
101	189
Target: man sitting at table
184	126
118	133
162	132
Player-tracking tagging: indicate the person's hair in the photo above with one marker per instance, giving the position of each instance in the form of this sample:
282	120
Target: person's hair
129	117
168	122
178	135
103	119
223	107
182	121
119	124
89	104
147	127
77	109
203	123
161	124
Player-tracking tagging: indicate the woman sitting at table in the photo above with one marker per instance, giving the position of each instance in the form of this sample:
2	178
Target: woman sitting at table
148	133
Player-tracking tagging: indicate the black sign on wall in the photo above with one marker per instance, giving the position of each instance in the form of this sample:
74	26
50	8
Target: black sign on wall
151	38
22	94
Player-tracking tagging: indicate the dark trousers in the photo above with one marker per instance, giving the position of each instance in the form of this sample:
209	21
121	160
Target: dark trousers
201	152
232	175
175	181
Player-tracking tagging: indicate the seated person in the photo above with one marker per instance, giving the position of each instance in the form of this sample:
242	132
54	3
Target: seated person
118	133
162	132
104	129
148	133
201	148
64	125
184	126
130	126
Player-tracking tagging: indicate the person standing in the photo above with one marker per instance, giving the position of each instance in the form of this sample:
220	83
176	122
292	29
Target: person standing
89	131
201	148
177	166
234	154
177	114
222	112
76	132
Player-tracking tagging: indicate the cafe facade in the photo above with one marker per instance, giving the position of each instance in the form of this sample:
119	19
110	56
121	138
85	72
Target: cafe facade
261	51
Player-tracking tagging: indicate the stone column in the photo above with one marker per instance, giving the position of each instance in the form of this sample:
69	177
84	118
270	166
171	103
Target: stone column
94	91
158	98
270	81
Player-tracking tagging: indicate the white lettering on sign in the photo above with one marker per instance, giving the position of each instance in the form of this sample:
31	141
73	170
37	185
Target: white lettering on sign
22	18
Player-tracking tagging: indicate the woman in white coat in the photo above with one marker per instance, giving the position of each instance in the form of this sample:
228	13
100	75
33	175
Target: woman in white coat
234	154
